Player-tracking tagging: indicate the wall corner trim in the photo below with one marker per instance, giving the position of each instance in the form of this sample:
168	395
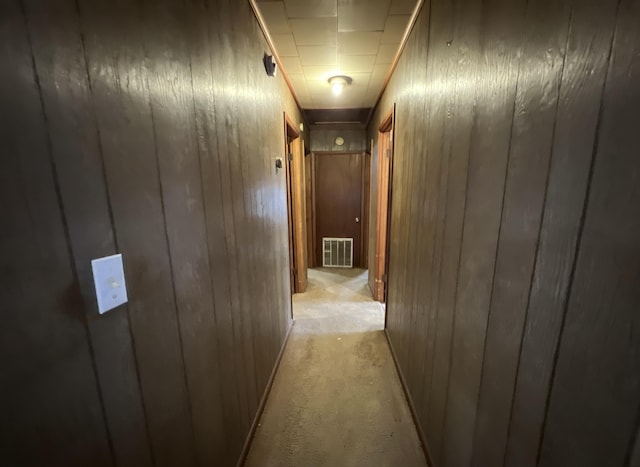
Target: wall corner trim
414	414
263	401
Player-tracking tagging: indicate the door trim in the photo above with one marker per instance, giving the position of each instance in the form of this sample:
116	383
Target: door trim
386	142
296	205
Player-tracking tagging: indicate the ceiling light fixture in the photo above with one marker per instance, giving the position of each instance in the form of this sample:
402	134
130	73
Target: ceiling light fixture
338	83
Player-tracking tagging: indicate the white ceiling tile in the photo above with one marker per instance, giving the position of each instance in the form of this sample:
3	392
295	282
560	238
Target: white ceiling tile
311	49
299	82
359	42
285	45
380	70
370	99
306	101
314	31
322	73
377	80
291	65
360	81
275	16
350	98
386	53
311	9
317	55
356	63
362	15
394	29
402	7
375	86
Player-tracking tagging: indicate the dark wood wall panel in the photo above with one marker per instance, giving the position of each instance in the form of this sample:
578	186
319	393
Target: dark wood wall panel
497	75
210	130
148	129
77	158
49	386
131	152
591	28
371	232
458	24
634	453
527	172
593	382
514	243
323	138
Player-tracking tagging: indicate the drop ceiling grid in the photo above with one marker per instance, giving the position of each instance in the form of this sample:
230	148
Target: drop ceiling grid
321	38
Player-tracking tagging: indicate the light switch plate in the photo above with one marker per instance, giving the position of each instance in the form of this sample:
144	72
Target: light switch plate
108	277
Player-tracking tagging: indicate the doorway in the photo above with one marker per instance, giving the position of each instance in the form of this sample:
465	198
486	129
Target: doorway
296	206
340	209
381	202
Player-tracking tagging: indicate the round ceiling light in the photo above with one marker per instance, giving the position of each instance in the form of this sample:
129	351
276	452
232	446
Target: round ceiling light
338	83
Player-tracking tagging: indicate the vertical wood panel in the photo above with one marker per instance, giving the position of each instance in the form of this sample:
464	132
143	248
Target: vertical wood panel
373	219
433	197
364	209
598	363
172	107
59	59
323	138
139	144
590	36
490	141
117	62
531	141
464	39
634	453
487	242
309	207
48	389
207	115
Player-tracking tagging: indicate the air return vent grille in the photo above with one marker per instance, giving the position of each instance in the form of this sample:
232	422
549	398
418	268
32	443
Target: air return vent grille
337	252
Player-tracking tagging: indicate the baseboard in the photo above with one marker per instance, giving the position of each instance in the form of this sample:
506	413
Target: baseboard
412	408
263	401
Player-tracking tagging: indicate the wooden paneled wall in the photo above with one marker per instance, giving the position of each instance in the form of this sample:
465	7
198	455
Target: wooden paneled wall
149	129
323	138
514	306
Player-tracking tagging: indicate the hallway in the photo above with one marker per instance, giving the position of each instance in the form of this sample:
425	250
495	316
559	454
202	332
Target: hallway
172	172
336	398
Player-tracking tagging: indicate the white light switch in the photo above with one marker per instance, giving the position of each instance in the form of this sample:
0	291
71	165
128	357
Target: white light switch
108	277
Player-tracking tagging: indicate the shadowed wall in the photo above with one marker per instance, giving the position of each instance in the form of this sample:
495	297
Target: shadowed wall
515	237
148	129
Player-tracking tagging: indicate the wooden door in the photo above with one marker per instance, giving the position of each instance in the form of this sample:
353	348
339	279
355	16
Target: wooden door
338	191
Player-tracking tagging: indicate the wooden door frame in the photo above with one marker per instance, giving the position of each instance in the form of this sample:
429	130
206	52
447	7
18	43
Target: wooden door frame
296	217
311	211
364	212
383	205
365	209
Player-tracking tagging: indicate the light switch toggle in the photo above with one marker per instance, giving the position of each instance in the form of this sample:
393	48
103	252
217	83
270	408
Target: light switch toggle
108	277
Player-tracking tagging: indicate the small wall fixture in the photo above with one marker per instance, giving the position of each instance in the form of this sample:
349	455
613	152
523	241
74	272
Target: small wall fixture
270	64
338	83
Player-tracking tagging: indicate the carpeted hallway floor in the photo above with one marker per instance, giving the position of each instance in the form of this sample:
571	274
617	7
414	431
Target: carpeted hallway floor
336	399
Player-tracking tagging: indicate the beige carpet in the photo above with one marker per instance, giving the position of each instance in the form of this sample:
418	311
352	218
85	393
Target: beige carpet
336	399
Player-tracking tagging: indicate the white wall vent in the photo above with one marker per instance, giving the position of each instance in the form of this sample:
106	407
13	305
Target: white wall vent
337	252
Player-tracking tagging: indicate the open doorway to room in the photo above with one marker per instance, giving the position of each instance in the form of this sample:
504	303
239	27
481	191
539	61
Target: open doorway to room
338	193
296	206
380	208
